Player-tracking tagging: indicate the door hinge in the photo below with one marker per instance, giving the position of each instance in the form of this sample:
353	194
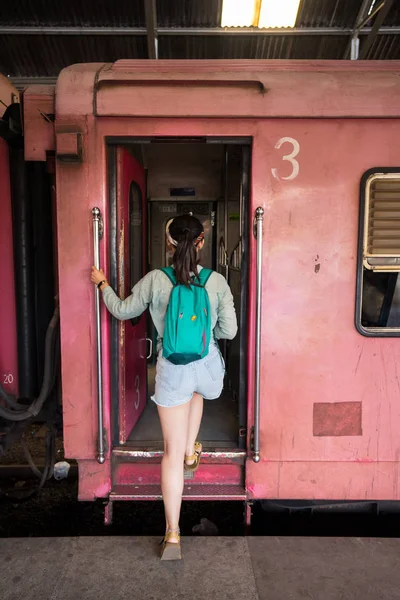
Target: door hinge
252	438
213	218
105	441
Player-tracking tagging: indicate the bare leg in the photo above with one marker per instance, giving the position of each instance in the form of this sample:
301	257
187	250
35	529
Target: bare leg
174	425
195	415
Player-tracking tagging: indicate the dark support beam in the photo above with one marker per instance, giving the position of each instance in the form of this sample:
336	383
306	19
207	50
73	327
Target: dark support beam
151	26
194	31
367	17
70	30
352	48
381	16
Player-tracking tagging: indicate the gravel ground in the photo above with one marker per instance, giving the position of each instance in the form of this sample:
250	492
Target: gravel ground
34	436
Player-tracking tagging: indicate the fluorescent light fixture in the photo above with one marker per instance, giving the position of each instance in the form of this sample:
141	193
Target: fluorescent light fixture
371	8
237	13
278	13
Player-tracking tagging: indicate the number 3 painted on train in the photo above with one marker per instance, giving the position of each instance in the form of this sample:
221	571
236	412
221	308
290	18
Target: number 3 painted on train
290	157
137	390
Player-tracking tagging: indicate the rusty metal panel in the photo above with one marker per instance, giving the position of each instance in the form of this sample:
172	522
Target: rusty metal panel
337	418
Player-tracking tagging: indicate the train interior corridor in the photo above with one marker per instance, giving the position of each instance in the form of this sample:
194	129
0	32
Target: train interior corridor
210	181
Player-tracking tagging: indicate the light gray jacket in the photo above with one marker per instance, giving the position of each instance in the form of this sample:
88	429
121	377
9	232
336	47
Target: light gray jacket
153	292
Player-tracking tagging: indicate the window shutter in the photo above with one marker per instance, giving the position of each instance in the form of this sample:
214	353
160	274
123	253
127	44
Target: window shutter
382	222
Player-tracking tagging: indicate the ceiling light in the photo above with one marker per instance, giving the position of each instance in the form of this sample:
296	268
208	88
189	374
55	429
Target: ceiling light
278	13
371	8
237	13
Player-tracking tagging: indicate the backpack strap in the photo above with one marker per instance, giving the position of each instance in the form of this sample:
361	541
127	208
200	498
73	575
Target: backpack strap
170	273
204	276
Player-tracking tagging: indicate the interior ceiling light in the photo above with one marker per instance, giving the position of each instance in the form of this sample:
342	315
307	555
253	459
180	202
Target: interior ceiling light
259	13
371	8
237	13
278	13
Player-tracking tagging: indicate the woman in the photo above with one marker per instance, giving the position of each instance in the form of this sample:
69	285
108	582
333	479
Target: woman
179	389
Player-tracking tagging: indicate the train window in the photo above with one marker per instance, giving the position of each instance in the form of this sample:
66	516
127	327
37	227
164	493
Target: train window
135	234
378	284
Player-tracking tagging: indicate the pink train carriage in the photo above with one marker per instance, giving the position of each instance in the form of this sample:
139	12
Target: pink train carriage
294	169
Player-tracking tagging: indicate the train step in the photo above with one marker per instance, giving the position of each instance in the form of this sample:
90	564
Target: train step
190	492
145	493
220	456
197	493
142	468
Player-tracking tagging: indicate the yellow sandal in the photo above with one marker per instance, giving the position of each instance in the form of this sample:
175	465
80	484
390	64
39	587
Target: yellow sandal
171	550
198	448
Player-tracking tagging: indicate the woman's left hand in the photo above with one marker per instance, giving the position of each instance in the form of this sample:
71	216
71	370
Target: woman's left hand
97	275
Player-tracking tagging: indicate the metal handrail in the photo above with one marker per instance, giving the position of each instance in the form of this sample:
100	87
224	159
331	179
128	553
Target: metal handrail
97	234
259	235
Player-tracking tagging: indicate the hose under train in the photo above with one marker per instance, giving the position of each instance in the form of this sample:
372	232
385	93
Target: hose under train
14	411
23	495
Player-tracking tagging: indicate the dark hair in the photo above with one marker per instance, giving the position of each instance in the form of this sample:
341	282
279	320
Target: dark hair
185	230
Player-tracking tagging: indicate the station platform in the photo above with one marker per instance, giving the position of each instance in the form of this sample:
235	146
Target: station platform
220	568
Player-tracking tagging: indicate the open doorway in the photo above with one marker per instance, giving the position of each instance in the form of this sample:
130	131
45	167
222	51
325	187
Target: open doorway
209	179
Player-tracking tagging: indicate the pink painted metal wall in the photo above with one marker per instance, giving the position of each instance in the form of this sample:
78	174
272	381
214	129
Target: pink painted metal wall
330	411
306	174
8	327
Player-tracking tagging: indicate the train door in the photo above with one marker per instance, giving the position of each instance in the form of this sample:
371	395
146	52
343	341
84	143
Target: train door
209	180
131	266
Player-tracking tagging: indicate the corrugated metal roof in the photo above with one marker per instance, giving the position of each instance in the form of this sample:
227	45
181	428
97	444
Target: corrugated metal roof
328	13
189	13
170	13
259	46
103	13
45	55
393	17
385	47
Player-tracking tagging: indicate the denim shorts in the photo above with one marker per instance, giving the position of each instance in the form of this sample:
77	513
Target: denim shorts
176	384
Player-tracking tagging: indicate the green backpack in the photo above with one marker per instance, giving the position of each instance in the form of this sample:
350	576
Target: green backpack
187	326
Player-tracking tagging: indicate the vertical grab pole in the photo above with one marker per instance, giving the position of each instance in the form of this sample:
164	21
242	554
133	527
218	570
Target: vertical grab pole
96	253
259	232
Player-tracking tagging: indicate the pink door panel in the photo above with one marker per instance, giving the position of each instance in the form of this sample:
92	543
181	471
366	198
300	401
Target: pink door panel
131	207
